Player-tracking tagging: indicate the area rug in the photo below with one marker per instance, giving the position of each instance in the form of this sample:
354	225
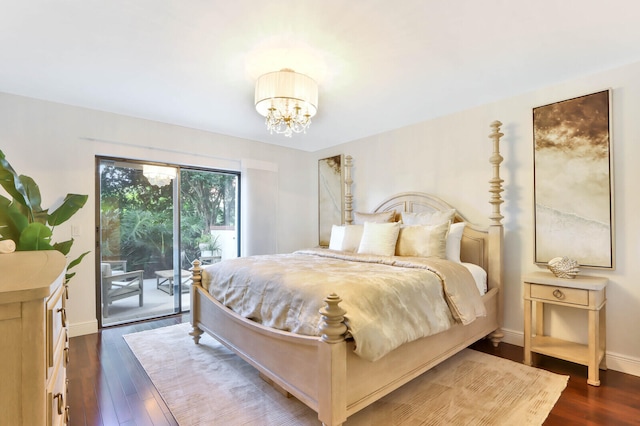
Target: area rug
207	384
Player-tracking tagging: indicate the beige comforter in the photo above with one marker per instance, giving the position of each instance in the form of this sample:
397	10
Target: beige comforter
389	300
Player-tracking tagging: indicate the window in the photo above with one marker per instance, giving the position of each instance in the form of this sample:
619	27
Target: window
152	227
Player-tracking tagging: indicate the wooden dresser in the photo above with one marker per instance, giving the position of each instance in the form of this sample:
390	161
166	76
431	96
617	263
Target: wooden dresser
33	339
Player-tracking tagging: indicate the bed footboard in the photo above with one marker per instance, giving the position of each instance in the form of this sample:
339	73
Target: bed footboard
312	369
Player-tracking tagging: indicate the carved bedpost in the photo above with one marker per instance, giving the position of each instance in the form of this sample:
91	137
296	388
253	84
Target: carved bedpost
496	230
496	181
196	281
348	197
332	327
332	363
196	273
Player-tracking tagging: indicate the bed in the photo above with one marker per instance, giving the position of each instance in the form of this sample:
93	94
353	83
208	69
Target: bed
324	372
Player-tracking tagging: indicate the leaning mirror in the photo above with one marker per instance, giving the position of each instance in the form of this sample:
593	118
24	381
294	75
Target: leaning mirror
330	196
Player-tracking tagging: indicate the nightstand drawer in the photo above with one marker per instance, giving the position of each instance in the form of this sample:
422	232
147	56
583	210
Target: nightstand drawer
550	293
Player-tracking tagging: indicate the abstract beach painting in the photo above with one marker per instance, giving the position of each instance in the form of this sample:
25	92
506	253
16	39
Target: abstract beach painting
573	179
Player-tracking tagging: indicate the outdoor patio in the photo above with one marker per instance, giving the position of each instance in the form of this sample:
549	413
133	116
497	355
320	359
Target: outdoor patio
156	302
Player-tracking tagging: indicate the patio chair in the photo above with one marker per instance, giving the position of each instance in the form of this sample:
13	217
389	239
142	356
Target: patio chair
118	285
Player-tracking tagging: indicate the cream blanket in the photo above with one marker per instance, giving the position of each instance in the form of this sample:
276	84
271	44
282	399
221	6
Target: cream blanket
389	300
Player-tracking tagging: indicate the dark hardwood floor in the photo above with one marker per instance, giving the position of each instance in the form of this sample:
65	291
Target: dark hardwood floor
107	385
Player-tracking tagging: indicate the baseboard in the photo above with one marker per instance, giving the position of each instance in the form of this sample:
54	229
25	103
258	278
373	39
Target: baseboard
618	362
513	337
80	329
623	363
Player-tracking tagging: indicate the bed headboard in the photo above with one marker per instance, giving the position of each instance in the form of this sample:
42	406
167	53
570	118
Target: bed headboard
482	246
475	240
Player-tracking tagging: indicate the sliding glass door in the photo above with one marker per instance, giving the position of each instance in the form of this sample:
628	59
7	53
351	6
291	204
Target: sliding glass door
154	221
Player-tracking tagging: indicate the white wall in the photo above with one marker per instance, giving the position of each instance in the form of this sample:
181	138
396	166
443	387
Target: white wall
448	157
56	145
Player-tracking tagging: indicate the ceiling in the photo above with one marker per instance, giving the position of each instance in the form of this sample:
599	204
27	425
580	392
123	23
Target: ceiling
380	64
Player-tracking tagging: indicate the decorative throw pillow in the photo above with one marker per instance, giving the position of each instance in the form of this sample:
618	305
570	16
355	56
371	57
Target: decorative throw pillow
352	237
360	218
428	218
379	238
423	240
453	241
345	237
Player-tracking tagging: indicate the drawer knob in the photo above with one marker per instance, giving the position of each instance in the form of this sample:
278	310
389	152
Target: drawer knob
60	399
63	315
558	294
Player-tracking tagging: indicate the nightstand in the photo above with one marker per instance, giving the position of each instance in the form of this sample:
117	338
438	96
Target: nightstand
583	292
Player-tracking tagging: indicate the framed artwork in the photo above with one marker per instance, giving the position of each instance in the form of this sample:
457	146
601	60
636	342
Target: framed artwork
573	181
330	196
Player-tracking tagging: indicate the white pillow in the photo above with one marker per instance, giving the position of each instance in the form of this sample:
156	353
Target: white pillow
346	238
379	238
360	218
423	240
453	241
337	237
430	218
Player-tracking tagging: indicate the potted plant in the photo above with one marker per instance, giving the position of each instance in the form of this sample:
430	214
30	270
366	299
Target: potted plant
209	245
26	223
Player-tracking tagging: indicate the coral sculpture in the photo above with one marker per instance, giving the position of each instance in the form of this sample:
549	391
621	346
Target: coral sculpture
563	267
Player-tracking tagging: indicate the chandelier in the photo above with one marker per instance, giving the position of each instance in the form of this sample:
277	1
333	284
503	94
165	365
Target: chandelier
287	100
158	175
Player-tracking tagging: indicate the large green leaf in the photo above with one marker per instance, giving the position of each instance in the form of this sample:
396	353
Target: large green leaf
36	236
71	204
77	260
10	181
41	216
33	192
72	264
12	221
64	247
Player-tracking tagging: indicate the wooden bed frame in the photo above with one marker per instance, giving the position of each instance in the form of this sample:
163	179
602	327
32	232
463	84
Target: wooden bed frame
323	372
